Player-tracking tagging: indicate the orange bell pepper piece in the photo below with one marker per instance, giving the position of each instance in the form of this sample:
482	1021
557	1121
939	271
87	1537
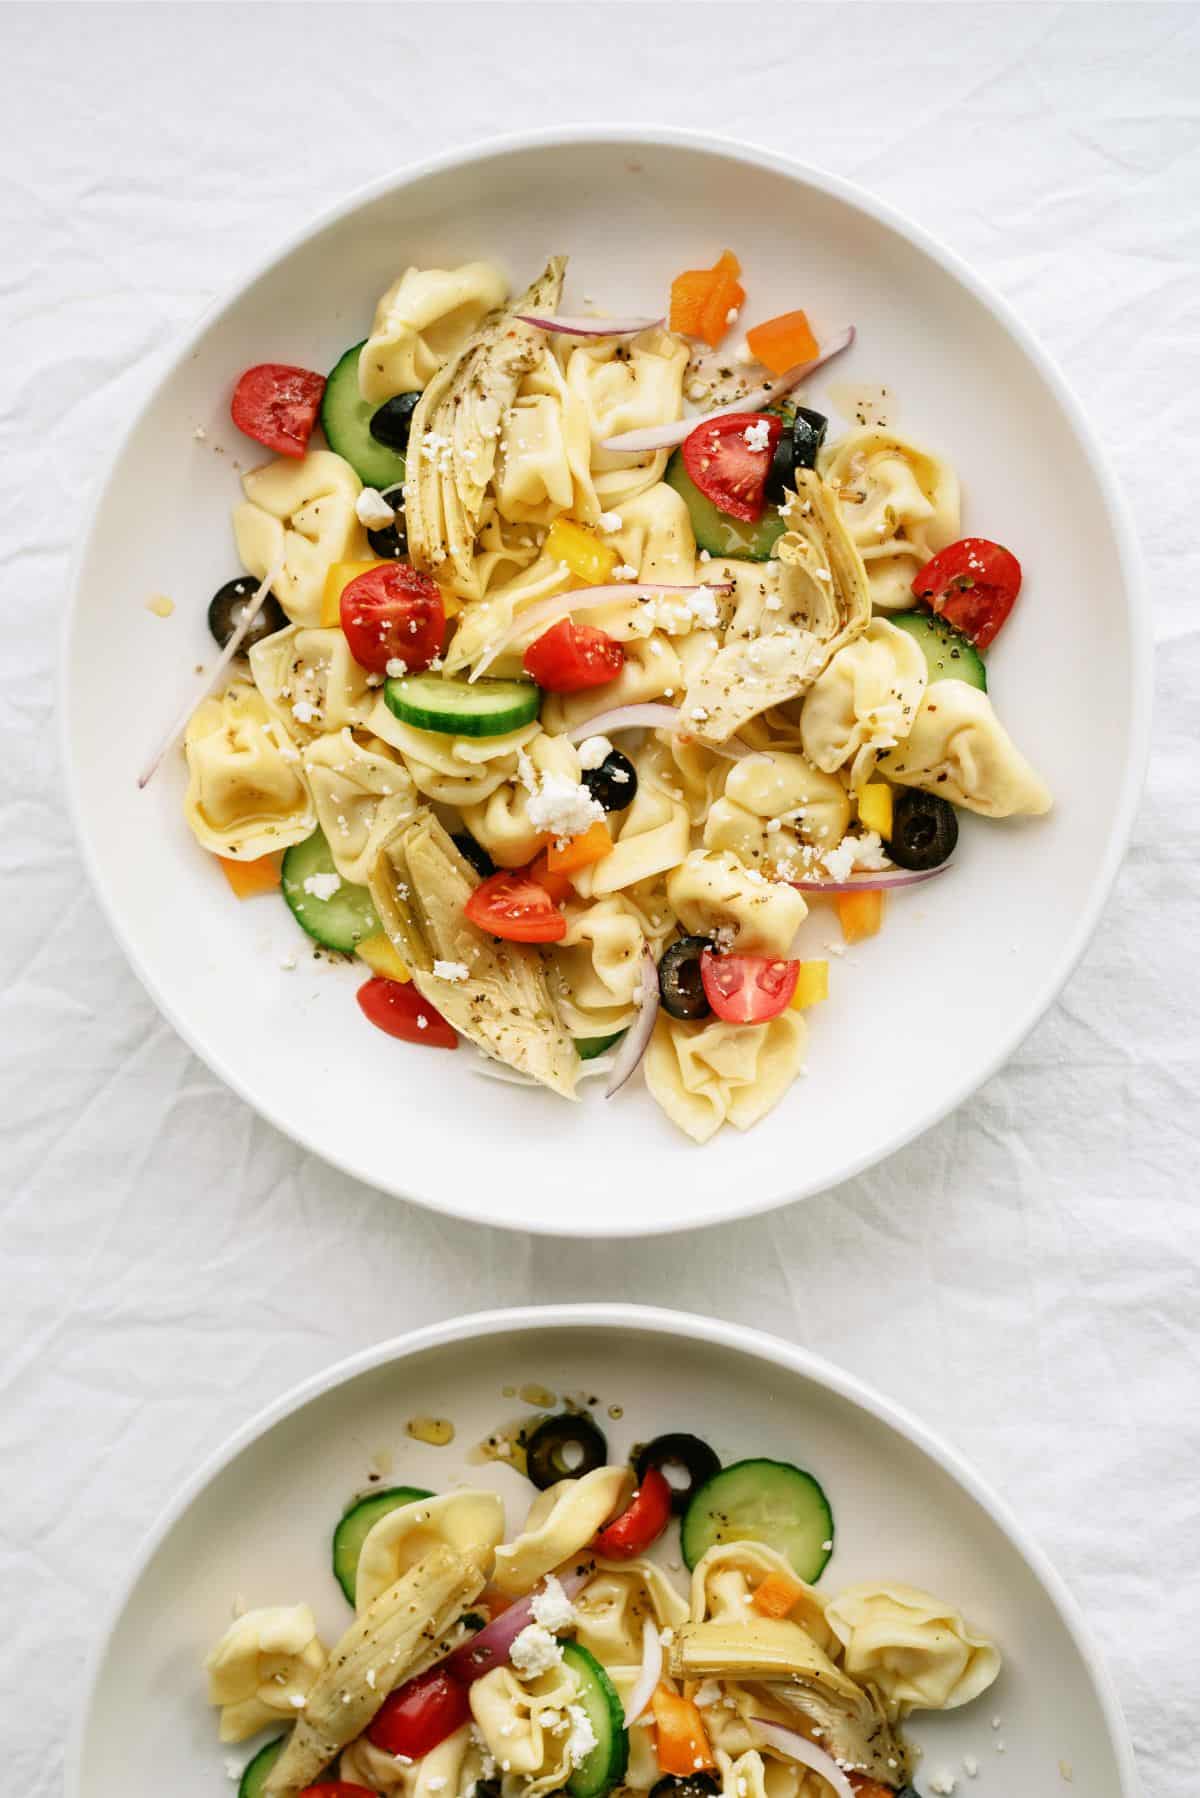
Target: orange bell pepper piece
681	1742
248	879
777	1595
859	914
557	885
703	298
780	343
592	845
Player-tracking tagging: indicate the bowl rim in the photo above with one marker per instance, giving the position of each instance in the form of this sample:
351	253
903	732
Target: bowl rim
717	1333
1122	808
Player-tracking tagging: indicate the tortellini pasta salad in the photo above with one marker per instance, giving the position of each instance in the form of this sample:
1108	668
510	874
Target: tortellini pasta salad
579	664
649	1627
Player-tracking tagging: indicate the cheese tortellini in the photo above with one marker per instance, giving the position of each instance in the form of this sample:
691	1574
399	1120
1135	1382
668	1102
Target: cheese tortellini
298	518
773	802
725	1578
705	1075
562	1520
458	771
263	1668
712	894
246	794
362	795
595	970
448	1771
501	822
901	506
649	838
311	682
466	1520
917	1652
617	1601
421	322
526	1726
865	701
959	749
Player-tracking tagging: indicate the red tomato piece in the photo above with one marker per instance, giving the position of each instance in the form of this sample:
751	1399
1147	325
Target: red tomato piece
397	1008
643	1523
569	657
420	1714
972	584
337	1788
516	908
390	613
278	406
748	989
726	462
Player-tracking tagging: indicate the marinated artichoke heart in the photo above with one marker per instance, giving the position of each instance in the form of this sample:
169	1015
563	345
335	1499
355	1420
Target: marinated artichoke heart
404	1631
782	1660
456	432
420	884
821	601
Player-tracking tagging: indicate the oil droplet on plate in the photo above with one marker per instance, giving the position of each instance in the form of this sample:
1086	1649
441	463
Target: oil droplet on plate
540	1397
615	1411
437	1431
864	403
160	605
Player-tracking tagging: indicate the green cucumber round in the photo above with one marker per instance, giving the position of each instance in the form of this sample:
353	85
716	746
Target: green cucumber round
255	1772
714	530
948	654
461	708
356	1525
344	919
762	1501
589	1047
604	1767
346	422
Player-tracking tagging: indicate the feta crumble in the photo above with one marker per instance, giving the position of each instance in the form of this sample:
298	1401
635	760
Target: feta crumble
551	1607
592	752
702	604
943	1784
322	886
534	1651
397	667
757	435
582	1738
373	510
744	356
624	571
609	522
304	711
452	970
563	808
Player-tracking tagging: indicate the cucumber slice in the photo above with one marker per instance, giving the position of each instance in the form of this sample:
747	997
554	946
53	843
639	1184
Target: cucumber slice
459	708
715	531
346	422
604	1767
762	1501
254	1773
356	1525
589	1047
948	654
344	919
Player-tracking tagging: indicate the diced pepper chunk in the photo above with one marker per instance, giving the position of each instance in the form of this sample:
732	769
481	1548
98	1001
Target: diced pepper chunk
812	984
780	343
338	576
778	1593
556	883
859	914
875	807
589	560
249	879
702	299
383	958
681	1741
592	845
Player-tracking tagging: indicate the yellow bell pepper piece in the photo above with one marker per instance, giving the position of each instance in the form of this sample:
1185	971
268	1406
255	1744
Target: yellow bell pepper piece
859	914
875	808
379	953
339	576
589	560
812	985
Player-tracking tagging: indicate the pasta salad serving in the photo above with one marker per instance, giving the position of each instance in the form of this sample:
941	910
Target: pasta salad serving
639	1633
559	709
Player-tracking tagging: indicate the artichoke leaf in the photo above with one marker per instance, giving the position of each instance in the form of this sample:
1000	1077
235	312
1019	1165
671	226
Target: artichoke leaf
456	432
420	885
821	601
402	1633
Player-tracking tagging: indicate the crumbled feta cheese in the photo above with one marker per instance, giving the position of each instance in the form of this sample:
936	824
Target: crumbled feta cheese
288	963
551	1607
322	886
304	711
744	356
452	970
563	808
296	1700
757	435
697	391
593	751
943	1784
582	1738
396	667
371	1677
624	571
201	435
731	317
854	852
827	1546
373	510
700	714
437	1784
709	1693
609	522
705	555
534	1651
526	772
970	1766
374	680
702	604
233	1771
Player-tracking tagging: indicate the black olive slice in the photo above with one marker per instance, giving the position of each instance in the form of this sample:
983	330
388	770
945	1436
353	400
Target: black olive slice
564	1448
679	984
924	830
391	424
473	852
229	602
614	783
679	1450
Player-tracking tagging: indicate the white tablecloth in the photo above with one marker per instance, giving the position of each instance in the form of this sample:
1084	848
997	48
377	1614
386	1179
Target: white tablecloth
1024	1277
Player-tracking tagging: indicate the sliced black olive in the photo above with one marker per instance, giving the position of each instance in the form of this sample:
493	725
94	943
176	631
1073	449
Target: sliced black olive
679	984
808	434
474	852
564	1448
685	1785
392	423
678	1449
779	475
390	543
614	783
229	602
924	830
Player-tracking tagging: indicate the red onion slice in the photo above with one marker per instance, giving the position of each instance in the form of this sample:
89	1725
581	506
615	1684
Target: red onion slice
589	327
647	716
490	1648
633	1044
871	883
651	1673
583	599
654	437
796	1747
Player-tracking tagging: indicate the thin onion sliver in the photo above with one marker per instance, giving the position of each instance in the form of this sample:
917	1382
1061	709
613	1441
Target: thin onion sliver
796	1747
651	1673
633	1045
882	882
589	327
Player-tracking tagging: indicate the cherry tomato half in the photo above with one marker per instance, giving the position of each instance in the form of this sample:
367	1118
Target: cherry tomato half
643	1523
278	406
516	908
569	657
729	459
420	1714
390	613
972	584
397	1008
337	1788
748	989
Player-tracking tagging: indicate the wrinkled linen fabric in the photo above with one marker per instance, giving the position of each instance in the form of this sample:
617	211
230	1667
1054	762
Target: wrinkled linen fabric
1038	1249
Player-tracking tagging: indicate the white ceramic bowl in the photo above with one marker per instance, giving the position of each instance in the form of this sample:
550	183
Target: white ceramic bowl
256	1522
919	1017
